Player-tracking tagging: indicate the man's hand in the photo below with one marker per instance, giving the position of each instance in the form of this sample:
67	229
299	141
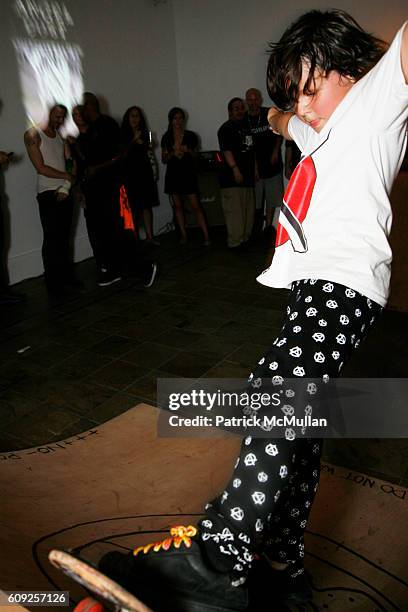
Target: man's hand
239	179
60	195
4	158
63	191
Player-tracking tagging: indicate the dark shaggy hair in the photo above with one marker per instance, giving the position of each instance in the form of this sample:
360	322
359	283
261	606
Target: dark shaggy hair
168	138
330	40
232	102
92	100
127	130
173	112
59	105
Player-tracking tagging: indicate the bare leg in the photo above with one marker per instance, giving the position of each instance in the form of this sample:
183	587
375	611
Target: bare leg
137	220
179	212
196	206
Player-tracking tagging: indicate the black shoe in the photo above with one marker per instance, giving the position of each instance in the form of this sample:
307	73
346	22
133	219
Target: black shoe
175	575
150	276
288	586
9	297
107	277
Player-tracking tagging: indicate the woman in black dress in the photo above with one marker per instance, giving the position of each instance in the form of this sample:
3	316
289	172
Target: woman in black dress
139	169
179	147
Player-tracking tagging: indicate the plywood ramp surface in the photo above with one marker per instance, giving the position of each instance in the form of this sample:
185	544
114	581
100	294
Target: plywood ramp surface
120	485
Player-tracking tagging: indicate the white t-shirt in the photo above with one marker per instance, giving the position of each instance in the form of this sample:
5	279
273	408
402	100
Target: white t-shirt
336	216
52	150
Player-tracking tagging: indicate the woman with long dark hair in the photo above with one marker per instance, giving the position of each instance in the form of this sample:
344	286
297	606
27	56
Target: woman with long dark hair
139	169
179	147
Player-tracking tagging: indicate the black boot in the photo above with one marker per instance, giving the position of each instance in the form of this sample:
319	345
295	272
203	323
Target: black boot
288	586
175	575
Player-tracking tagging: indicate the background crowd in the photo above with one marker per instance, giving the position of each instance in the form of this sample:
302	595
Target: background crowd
111	172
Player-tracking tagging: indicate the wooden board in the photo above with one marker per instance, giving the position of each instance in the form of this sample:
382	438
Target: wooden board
120	485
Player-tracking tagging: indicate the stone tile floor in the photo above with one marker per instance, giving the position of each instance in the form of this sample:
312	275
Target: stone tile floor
98	353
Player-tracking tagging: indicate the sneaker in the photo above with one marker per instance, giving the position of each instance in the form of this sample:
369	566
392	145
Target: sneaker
107	278
175	575
150	275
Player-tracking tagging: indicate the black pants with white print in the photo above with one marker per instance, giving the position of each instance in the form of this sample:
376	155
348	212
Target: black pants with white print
266	504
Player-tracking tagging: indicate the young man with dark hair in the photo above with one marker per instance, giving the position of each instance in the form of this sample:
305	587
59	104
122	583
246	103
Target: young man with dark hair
347	113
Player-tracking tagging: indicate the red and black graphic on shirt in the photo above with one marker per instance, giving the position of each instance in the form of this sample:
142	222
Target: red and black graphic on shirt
296	202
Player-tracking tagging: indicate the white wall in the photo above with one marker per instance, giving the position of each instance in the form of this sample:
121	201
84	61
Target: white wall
130	59
156	53
221	48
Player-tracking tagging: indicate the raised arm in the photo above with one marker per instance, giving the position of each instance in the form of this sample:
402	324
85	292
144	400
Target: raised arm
404	52
32	142
279	122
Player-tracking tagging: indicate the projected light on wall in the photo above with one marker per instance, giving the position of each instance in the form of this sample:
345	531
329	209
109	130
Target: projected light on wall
49	64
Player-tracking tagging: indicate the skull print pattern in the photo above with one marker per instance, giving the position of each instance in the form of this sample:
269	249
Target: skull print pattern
267	503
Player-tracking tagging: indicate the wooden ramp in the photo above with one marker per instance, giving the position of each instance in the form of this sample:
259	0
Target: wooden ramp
120	485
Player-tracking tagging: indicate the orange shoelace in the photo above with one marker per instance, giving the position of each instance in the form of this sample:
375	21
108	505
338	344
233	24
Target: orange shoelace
179	534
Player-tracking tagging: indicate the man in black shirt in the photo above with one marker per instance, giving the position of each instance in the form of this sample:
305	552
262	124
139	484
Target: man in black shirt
237	177
269	184
101	189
